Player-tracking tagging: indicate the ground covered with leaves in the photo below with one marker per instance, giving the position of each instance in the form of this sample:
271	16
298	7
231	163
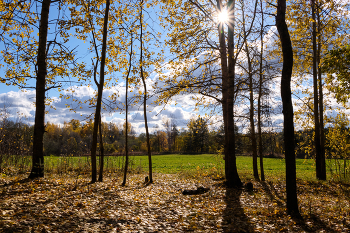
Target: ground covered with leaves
61	204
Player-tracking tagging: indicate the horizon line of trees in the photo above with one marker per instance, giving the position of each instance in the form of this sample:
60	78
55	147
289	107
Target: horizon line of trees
74	138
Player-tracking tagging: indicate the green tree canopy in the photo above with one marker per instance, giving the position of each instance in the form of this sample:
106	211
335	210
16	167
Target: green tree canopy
337	65
198	135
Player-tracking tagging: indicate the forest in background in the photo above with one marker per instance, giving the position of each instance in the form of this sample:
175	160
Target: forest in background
74	139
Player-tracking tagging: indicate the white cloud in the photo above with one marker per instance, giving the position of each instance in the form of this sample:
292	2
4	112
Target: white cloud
18	104
58	113
180	108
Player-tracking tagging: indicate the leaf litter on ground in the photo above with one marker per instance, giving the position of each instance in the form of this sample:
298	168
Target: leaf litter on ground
62	204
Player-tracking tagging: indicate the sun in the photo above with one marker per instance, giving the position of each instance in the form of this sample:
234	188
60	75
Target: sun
222	16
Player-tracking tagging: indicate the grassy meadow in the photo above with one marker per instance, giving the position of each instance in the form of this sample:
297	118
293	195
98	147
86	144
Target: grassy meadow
188	165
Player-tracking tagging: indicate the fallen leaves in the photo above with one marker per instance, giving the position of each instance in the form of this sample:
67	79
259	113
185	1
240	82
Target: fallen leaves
61	204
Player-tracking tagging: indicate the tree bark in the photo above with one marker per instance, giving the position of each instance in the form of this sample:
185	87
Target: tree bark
232	177
100	177
323	172
126	136
145	105
261	77
99	96
251	116
223	59
292	200
126	116
317	139
39	125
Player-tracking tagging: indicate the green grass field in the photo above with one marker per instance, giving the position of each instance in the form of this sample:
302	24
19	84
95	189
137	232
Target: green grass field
191	165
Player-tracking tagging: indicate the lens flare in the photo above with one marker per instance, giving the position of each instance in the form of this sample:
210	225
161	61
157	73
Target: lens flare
222	16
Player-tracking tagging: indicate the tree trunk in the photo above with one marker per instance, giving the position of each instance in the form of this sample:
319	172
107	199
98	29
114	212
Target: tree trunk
262	174
100	177
126	116
223	59
317	139
145	105
99	96
126	136
39	125
292	200
251	116
232	177
323	172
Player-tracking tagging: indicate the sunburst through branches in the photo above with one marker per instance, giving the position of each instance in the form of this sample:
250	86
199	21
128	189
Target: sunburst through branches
222	16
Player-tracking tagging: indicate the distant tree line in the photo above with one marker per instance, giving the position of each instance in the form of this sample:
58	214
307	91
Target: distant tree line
74	138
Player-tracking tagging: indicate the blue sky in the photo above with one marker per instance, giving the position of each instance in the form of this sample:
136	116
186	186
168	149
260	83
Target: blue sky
19	104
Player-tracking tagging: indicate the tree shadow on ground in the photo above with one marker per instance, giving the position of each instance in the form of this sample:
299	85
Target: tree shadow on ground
82	207
317	224
272	193
44	216
21	181
312	223
13	192
234	218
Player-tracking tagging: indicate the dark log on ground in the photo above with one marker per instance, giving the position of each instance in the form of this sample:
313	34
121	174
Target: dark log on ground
199	190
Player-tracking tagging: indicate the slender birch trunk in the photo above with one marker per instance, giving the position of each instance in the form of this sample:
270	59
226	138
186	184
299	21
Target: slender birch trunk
99	96
145	105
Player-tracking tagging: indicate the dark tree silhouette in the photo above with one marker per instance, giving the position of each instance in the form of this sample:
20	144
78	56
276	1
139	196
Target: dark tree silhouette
99	95
292	201
39	125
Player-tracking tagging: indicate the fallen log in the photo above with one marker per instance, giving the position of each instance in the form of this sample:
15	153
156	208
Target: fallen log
199	190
